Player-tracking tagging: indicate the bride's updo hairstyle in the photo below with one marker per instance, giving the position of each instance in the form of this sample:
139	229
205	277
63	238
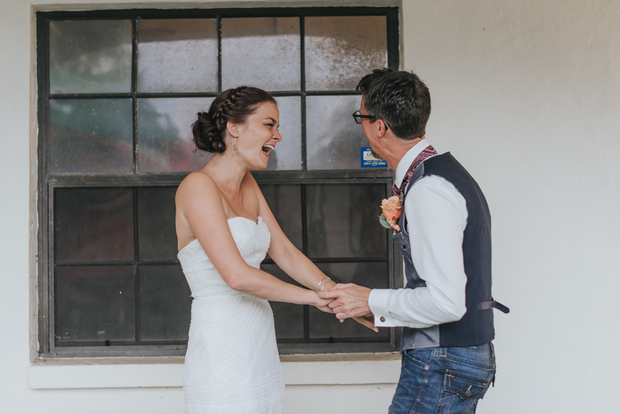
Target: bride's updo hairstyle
234	105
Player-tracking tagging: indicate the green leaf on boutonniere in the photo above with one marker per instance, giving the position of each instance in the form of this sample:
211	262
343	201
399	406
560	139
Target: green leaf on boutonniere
384	222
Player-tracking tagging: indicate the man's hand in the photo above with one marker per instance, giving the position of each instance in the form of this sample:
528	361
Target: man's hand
350	301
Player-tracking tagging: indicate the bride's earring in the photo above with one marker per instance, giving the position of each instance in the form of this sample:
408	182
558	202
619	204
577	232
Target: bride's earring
234	145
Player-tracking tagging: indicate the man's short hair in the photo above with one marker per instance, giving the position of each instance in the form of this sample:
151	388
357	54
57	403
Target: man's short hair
399	98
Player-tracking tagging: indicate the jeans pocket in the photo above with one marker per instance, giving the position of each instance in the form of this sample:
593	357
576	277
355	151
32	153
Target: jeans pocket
466	387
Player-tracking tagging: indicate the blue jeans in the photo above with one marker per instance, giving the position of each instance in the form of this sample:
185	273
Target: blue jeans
443	380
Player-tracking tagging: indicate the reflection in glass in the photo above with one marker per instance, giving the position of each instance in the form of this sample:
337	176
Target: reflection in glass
165	134
343	220
90	56
341	50
285	204
287	316
93	224
287	155
91	136
156	229
165	303
177	55
94	304
369	274
334	140
262	52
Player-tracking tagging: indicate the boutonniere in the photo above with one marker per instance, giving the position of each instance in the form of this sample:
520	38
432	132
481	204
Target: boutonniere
391	208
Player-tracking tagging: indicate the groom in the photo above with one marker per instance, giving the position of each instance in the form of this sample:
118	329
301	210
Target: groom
446	309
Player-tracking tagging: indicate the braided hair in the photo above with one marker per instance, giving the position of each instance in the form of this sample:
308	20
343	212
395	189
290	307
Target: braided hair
232	105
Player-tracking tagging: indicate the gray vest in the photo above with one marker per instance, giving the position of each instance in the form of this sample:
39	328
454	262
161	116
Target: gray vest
476	326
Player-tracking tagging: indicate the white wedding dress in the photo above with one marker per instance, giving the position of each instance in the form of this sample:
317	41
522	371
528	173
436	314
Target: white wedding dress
232	363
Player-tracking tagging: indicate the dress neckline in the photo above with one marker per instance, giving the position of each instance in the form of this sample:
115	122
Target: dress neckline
256	223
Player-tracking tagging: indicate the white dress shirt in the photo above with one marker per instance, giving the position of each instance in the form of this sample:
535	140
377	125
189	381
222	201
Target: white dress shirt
436	219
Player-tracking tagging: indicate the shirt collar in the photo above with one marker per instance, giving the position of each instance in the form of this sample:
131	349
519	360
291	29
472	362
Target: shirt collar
406	161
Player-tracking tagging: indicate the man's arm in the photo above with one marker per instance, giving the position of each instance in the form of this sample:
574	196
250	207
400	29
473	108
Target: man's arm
437	216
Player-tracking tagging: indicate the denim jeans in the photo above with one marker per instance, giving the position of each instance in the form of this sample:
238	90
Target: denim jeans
443	380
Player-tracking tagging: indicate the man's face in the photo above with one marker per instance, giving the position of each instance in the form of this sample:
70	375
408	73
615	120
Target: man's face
369	130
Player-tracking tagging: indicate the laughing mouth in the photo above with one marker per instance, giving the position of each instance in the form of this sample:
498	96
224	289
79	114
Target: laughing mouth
268	148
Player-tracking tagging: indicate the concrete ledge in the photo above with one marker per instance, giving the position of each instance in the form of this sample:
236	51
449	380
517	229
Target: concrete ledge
171	375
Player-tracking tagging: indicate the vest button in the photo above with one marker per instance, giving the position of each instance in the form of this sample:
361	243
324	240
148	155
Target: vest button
382	319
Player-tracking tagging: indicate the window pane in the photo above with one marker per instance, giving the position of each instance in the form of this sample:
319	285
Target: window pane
289	318
93	224
91	136
177	55
369	274
261	52
90	56
341	50
165	303
156	228
94	304
287	155
285	204
343	220
334	140
165	134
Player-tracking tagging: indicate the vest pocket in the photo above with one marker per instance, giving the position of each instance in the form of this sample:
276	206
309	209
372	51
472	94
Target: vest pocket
466	387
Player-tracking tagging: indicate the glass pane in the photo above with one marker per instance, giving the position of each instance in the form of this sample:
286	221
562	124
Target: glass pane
165	304
156	228
90	56
343	220
287	155
262	52
341	50
91	136
165	134
94	304
334	140
369	274
93	224
177	55
285	204
289	318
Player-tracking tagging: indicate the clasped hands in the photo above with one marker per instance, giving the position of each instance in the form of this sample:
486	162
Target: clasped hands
350	301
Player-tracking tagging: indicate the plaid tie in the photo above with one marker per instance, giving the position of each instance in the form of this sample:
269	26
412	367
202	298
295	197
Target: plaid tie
427	152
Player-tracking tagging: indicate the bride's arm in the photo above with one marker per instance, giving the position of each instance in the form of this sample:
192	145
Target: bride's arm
199	205
287	256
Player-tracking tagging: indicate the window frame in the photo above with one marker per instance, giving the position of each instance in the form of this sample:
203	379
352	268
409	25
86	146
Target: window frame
48	182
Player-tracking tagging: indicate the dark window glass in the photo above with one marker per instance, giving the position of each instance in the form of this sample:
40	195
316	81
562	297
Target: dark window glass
94	305
91	136
164	304
156	230
343	220
285	204
93	224
288	318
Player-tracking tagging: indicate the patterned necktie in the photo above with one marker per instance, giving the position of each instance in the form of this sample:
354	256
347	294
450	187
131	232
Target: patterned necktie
427	152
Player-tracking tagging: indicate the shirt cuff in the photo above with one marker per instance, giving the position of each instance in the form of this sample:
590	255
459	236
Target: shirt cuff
378	304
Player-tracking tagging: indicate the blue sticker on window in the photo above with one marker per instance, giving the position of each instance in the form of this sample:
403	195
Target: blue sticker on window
368	161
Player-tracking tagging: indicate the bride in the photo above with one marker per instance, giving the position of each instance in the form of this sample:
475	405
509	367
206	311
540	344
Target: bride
224	229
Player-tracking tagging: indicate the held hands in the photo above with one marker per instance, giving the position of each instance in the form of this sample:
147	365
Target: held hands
350	301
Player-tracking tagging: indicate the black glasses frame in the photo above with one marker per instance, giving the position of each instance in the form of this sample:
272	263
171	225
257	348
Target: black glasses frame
358	117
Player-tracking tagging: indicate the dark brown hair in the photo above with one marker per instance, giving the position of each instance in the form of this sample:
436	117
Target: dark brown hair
234	105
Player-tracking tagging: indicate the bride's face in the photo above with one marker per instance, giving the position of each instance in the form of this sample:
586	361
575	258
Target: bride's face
258	136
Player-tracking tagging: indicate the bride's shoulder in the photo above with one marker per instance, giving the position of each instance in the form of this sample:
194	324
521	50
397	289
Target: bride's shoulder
195	184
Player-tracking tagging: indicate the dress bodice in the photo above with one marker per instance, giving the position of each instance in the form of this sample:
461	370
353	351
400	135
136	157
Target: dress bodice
252	240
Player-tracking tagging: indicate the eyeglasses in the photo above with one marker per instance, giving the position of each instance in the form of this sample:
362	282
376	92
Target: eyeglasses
358	117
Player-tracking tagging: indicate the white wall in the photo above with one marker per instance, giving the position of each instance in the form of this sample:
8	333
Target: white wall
527	95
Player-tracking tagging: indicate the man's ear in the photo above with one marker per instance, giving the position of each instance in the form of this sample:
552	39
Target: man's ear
382	127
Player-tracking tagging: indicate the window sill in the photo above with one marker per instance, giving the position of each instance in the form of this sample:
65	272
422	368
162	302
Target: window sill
170	375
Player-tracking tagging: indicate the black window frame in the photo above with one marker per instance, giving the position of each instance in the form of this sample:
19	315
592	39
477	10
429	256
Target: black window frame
48	182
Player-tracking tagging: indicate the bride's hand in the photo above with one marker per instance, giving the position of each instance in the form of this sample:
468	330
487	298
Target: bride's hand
323	304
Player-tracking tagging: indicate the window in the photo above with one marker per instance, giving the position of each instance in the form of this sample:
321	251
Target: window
118	91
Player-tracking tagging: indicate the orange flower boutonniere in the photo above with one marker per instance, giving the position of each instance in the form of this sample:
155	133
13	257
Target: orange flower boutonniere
391	212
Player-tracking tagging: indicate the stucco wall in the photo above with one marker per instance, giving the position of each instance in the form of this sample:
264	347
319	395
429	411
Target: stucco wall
527	95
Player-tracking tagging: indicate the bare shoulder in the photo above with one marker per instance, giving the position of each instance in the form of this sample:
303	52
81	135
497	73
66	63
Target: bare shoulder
194	185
